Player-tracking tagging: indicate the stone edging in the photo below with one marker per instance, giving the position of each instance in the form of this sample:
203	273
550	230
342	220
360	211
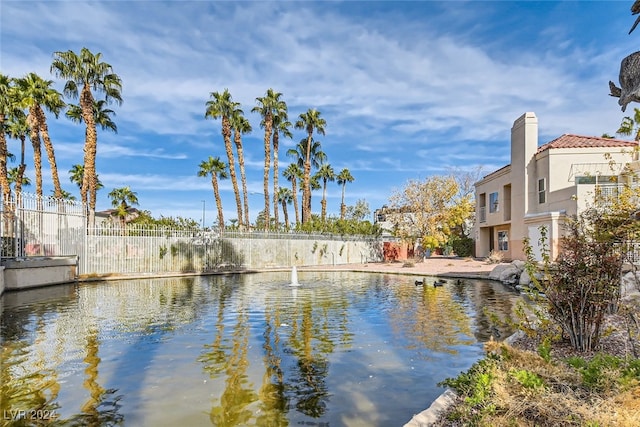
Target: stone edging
430	416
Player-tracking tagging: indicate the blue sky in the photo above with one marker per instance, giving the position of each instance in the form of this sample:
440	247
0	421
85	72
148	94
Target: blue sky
408	89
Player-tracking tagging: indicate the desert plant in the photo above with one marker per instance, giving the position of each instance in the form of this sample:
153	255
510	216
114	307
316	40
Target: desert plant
495	257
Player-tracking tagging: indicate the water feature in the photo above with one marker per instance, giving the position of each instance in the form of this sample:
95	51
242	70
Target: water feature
294	276
345	349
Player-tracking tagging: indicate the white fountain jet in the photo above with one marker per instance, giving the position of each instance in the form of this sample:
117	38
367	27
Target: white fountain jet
294	277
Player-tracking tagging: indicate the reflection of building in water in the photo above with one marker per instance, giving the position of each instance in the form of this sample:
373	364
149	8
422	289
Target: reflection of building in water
489	303
446	317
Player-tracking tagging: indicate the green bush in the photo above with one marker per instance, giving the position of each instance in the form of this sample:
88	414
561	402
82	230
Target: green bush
463	246
528	379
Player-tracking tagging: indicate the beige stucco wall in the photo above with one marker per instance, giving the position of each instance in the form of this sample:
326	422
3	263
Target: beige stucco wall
562	197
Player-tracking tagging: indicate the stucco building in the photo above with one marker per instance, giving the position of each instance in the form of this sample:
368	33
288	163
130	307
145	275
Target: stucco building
542	186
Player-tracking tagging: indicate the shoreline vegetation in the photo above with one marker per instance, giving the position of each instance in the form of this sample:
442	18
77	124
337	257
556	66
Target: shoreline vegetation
531	381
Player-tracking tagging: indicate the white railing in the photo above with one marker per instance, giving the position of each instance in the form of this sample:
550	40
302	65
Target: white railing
40	226
33	226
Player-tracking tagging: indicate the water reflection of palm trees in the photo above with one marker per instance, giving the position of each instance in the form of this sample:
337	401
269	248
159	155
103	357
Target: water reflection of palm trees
308	383
274	404
230	359
101	408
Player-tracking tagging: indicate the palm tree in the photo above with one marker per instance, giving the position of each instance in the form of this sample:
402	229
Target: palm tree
631	125
222	106
17	179
102	117
292	174
36	93
309	121
67	196
281	125
343	177
326	174
7	108
18	128
217	169
240	126
316	158
285	196
267	107
121	198
86	72
76	175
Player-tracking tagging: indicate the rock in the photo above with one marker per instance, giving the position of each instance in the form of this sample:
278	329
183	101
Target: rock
497	271
510	275
525	279
519	264
630	285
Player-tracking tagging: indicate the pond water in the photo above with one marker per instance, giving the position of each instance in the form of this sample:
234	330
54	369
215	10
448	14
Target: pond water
341	349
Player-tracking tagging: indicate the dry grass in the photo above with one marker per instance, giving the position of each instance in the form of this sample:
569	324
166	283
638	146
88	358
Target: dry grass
495	257
527	390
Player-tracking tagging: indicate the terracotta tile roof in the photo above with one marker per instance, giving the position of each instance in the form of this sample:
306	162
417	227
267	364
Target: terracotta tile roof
578	141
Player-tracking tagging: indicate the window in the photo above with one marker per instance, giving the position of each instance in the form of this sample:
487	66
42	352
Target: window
593	179
503	240
493	202
542	187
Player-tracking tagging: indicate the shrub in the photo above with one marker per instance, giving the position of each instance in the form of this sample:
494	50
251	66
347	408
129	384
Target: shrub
584	281
495	257
463	246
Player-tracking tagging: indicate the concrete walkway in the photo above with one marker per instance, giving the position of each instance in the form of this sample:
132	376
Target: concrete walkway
440	266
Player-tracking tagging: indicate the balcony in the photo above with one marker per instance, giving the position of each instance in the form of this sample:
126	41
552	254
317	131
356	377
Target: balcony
482	214
606	193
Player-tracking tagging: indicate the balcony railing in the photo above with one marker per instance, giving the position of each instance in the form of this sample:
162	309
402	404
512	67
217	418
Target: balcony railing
607	193
483	214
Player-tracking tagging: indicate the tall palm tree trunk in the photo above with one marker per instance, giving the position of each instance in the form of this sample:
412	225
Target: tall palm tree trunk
216	195
23	166
243	178
276	141
267	167
324	201
44	131
343	207
89	181
4	180
37	154
306	190
285	213
226	131
294	190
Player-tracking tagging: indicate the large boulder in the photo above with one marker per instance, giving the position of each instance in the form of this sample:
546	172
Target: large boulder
519	264
510	275
630	285
497	271
525	279
505	273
